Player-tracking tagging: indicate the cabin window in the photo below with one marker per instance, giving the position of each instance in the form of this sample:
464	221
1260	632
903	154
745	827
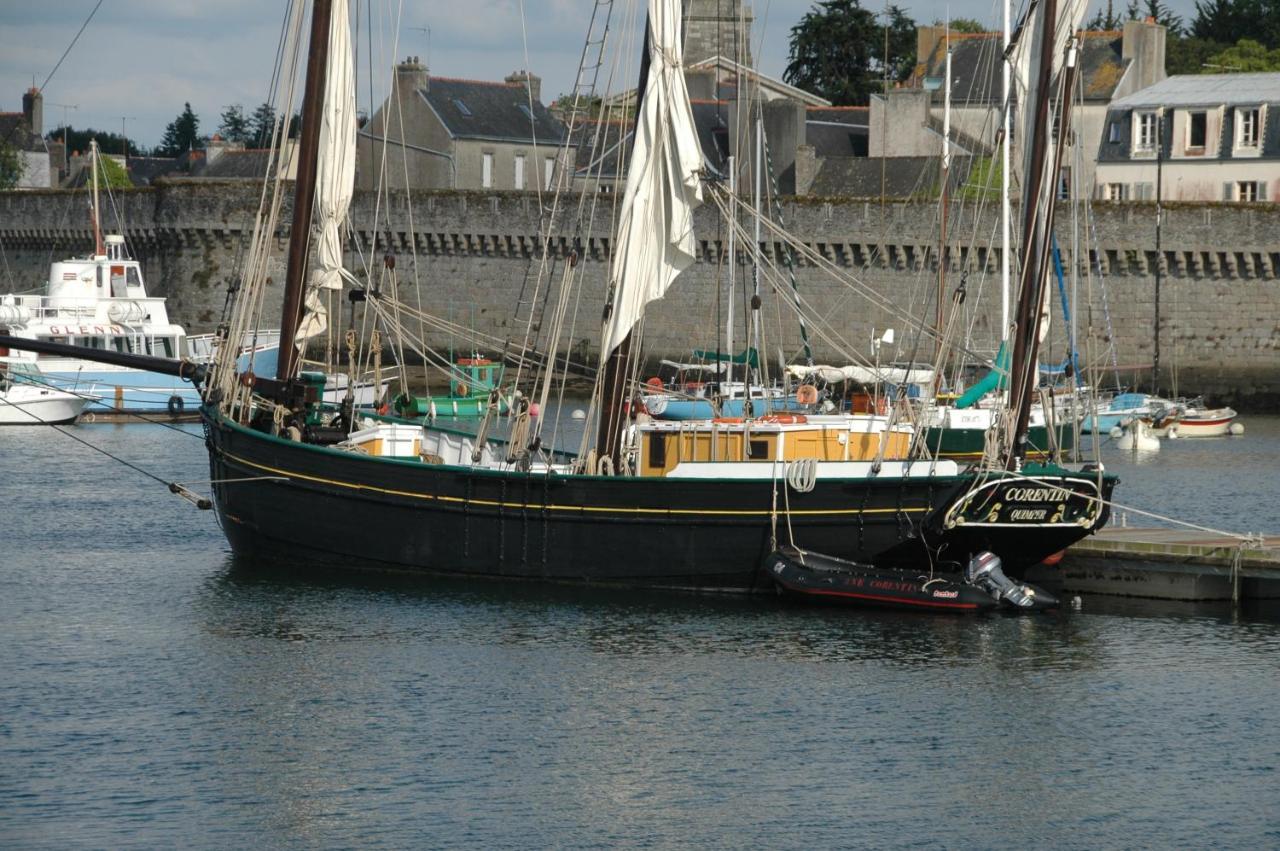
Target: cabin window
519	177
758	450
486	170
132	278
120	344
1197	131
657	451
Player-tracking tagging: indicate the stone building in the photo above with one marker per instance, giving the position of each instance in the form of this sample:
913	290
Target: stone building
1211	137
1112	65
444	133
23	131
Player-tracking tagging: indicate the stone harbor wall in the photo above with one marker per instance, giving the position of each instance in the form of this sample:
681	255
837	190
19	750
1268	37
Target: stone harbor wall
868	267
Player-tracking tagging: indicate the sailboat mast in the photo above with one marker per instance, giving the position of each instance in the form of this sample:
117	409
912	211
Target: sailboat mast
1155	354
98	248
618	366
1004	182
1033	250
946	181
304	188
733	263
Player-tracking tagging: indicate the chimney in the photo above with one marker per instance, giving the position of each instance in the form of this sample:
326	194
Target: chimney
927	40
412	75
33	109
525	78
1144	44
701	83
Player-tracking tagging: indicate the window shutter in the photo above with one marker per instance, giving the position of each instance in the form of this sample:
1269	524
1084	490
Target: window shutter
1226	191
1262	190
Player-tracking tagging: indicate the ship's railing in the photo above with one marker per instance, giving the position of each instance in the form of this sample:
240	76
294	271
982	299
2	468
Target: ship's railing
132	311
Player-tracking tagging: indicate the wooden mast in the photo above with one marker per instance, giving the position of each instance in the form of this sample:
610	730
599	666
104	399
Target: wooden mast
304	188
1036	232
618	366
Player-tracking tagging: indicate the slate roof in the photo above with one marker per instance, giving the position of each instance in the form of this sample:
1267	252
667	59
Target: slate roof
248	164
1206	90
15	131
975	66
904	177
837	131
475	109
599	149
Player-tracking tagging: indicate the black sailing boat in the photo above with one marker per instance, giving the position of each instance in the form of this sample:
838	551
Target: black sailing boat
287	484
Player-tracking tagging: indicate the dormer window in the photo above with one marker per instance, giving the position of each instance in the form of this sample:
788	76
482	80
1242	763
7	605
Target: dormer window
1197	132
1144	139
1248	131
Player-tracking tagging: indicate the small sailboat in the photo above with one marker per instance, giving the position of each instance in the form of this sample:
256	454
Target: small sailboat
1136	435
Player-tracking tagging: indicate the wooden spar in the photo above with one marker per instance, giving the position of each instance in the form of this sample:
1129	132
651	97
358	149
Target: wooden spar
1041	255
618	366
304	188
1023	369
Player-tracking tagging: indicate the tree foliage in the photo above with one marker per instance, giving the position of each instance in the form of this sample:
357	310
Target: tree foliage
837	51
1105	19
1191	55
1140	10
112	174
1229	21
1246	55
11	165
962	25
260	124
182	134
233	124
108	143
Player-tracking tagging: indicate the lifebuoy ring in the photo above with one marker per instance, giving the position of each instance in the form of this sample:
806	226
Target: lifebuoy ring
176	406
655	383
461	389
730	420
785	419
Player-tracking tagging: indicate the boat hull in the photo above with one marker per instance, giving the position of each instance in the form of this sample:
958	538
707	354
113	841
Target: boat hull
817	578
281	498
39	406
970	443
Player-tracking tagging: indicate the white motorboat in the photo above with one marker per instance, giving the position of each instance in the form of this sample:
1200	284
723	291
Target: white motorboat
29	403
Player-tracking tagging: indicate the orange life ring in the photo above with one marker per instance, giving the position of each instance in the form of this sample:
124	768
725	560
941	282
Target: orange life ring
806	394
655	382
729	420
785	419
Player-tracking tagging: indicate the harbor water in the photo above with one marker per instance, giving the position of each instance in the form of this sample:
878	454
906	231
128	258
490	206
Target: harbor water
159	693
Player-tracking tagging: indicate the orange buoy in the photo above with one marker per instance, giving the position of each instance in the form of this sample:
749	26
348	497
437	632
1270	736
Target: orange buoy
785	419
655	382
806	394
1054	559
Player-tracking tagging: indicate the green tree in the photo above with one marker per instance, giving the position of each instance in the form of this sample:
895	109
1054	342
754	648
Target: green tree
962	25
1246	55
233	125
260	125
11	165
182	134
1105	19
1190	55
837	51
1228	21
113	175
1140	10
111	143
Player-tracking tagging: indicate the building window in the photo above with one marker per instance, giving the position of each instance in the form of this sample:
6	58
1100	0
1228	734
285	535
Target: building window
519	171
1247	127
1115	192
1146	140
1245	191
548	169
1064	183
1197	131
1113	132
462	107
486	170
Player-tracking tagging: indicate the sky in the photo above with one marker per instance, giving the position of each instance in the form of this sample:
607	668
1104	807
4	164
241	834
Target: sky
141	60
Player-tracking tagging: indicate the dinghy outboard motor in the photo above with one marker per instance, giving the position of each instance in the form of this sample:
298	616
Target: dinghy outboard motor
984	572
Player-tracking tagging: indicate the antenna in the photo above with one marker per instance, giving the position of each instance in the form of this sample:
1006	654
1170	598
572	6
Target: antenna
426	30
66	155
124	137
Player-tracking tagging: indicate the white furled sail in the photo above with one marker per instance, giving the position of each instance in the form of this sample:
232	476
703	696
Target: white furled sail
1025	65
655	233
335	171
